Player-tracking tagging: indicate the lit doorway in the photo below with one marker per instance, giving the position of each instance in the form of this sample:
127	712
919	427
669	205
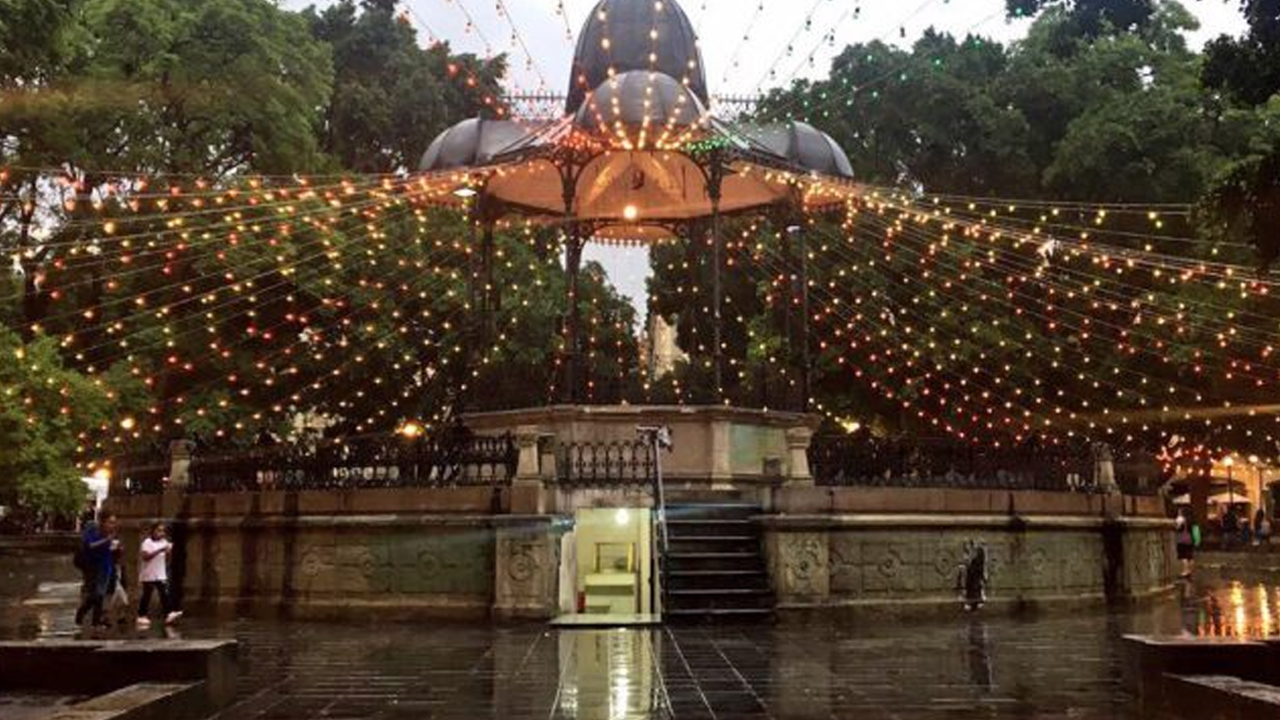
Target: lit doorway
608	576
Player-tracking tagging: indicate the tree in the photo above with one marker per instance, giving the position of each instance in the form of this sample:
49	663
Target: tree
36	37
1247	69
1091	18
390	96
1101	102
46	413
1244	203
237	320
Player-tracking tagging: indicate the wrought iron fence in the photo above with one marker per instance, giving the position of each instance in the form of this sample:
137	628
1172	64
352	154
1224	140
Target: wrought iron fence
140	473
605	463
871	462
359	462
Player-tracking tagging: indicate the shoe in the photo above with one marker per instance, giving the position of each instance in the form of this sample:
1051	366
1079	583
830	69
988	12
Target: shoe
143	623
172	617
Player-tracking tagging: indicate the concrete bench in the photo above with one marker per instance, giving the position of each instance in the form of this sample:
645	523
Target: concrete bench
179	674
1222	698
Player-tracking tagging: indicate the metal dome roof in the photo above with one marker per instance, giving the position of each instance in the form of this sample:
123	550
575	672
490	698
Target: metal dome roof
804	145
617	35
627	100
471	142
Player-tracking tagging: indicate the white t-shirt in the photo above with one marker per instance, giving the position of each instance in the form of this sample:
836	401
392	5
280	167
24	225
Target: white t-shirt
154	570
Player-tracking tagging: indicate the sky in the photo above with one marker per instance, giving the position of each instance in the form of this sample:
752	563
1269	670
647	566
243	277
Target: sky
741	40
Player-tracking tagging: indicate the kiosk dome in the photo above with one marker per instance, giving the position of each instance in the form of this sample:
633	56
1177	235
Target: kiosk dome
624	35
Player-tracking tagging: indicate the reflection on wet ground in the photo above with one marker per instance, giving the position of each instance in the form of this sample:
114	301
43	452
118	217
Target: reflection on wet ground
961	666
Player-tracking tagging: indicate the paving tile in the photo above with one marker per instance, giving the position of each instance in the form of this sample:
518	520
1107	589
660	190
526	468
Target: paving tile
1054	666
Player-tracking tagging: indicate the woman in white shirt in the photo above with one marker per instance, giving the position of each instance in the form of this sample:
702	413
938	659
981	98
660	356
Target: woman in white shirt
155	575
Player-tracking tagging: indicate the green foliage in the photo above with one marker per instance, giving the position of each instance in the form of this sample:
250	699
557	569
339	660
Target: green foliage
354	310
36	36
1244	202
46	411
390	96
1091	18
1094	118
1101	101
1247	69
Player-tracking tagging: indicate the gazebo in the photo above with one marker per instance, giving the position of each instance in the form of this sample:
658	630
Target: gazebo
637	156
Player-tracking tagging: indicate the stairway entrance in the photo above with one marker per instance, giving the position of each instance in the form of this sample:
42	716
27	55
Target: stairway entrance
607	573
714	567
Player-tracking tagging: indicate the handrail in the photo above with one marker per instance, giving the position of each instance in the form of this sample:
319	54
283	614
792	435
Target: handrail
659	439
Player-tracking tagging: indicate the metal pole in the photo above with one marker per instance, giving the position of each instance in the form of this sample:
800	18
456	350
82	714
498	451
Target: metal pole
806	361
714	181
474	318
573	262
1231	487
488	302
659	439
662	491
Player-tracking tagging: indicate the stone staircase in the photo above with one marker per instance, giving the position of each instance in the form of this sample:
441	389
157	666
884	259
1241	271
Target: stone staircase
715	567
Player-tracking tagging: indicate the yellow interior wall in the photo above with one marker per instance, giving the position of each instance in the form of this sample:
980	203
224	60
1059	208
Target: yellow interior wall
600	525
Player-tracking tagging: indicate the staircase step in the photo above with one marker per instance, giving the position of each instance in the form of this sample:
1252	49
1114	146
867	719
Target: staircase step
690	496
720	613
676	555
724	511
709	603
714	567
714	592
710	525
715	573
713	545
675	562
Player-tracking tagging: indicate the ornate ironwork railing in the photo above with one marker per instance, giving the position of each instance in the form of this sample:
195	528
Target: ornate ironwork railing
605	463
359	462
869	462
140	473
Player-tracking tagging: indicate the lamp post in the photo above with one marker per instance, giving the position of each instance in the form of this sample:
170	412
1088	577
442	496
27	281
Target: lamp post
1229	462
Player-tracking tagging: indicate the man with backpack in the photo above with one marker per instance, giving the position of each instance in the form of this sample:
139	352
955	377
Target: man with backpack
96	562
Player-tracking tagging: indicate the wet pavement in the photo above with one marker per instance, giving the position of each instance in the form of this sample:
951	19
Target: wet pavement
1056	665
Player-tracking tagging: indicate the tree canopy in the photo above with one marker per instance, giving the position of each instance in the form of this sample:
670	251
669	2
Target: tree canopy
207	211
209	229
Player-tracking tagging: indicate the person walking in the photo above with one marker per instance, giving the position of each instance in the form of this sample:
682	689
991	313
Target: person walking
97	567
1184	536
971	576
1230	528
154	576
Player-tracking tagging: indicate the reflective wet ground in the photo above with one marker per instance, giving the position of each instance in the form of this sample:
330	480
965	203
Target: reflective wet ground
1060	666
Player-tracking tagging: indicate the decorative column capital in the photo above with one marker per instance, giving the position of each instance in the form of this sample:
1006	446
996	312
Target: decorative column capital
528	492
798	441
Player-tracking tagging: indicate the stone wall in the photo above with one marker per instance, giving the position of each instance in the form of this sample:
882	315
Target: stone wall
897	557
481	552
713	444
436	552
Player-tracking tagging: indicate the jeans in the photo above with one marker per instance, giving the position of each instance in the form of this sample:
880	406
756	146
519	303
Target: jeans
97	585
159	586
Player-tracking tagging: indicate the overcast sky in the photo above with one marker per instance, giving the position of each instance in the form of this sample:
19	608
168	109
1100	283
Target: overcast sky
734	65
722	24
